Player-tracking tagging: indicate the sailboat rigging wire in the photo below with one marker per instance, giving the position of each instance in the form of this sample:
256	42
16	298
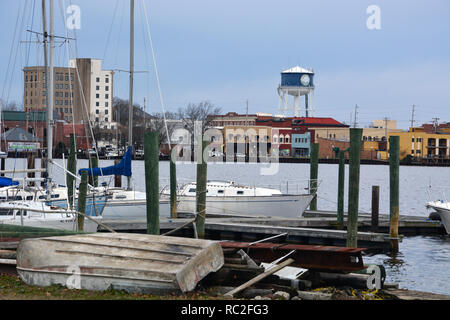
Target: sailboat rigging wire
156	72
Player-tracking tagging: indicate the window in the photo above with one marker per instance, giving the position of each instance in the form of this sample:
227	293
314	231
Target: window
106	111
97	111
240	192
106	80
107	88
412	151
106	119
97	104
412	140
219	191
106	104
106	96
192	190
97	96
97	79
97	88
418	152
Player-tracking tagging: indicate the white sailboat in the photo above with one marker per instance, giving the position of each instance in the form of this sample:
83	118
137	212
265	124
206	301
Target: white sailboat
32	206
39	214
228	198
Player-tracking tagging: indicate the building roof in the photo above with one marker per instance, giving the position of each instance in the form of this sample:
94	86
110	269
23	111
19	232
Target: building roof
297	69
19	134
313	121
30	116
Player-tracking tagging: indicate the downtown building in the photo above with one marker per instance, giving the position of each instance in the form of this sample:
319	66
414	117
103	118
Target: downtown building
83	91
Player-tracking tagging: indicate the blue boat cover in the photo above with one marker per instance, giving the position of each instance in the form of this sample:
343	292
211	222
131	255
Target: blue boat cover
6	182
123	168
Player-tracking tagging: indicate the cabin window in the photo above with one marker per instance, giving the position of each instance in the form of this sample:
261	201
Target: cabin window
6	212
220	191
192	190
121	197
240	192
54	196
29	197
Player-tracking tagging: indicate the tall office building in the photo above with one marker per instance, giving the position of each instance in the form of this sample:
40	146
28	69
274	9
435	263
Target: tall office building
77	99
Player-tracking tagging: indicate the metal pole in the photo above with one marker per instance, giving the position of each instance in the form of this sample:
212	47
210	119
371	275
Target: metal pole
71	167
394	188
151	159
353	187
201	191
173	188
341	186
93	163
130	101
82	199
313	173
375	207
50	95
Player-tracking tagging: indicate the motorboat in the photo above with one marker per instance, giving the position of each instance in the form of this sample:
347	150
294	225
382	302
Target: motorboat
443	210
228	198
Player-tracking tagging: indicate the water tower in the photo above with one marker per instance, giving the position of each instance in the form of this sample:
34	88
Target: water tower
296	82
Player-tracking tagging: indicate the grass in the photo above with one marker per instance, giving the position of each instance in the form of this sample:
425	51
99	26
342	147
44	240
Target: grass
13	288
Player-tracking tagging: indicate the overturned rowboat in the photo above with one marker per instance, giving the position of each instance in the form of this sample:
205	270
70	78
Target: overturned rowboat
136	263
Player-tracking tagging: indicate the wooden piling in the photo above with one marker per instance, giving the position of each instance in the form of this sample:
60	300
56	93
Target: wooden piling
353	186
375	208
341	186
31	165
173	187
3	161
151	160
201	192
313	173
117	179
71	167
394	189
93	163
82	192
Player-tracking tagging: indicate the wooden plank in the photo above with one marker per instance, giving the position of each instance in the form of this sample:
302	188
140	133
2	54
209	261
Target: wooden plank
8	261
259	277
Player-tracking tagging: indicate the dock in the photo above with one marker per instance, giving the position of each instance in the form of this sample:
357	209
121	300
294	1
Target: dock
316	228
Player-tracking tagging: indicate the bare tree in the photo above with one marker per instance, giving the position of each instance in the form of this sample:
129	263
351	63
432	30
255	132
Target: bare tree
203	111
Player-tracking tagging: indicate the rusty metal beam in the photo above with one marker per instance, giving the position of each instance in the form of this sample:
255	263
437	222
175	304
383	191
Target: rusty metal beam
329	258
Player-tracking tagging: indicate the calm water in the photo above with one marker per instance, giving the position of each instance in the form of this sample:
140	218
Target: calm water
423	263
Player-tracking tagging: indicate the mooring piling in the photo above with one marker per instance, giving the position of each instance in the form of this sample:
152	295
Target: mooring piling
82	192
313	173
31	165
72	168
375	208
201	191
93	163
151	159
341	185
394	189
173	187
353	186
117	178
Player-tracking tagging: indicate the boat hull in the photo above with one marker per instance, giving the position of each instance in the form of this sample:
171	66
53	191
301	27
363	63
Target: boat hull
68	224
132	262
132	210
443	209
278	205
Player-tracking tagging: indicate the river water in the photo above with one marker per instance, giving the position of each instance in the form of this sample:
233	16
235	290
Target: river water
423	262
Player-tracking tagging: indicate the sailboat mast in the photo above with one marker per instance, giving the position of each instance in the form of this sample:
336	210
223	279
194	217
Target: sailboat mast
130	100
50	94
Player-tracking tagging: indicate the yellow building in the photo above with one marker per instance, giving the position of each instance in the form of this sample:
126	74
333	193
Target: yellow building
420	144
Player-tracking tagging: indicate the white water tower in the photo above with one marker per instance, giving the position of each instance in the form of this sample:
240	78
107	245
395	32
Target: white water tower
296	82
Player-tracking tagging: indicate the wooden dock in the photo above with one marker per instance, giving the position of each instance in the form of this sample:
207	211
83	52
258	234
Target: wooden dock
316	227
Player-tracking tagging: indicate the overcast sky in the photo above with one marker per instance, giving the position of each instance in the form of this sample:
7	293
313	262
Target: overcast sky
230	51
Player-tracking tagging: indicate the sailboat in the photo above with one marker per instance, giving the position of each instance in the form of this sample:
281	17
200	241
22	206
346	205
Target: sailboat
229	199
34	206
125	203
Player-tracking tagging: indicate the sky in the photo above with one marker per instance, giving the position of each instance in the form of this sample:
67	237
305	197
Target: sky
232	51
